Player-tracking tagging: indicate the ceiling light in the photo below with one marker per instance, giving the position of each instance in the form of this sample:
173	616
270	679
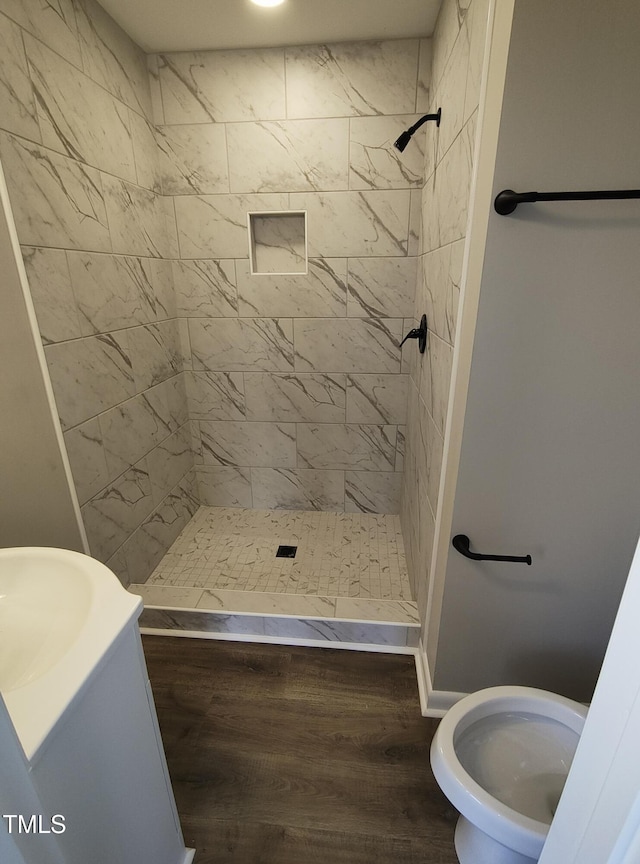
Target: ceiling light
267	2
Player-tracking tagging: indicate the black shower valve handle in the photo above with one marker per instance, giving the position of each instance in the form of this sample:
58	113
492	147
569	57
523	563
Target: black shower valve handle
412	334
419	333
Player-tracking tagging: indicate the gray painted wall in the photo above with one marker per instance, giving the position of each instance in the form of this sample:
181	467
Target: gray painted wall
551	446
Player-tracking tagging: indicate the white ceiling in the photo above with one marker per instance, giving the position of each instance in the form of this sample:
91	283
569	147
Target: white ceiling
184	25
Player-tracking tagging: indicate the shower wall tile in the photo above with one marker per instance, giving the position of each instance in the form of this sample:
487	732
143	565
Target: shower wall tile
423	98
381	287
329	154
352	79
450	92
147	545
155	353
458	47
430	448
167	206
50	286
435	376
56	201
439	289
248	445
145	151
136	219
78	118
17	105
297	489
410	354
216	396
346	446
157	107
224	487
348	344
118	565
288	156
162	302
449	194
193	159
215	226
184	344
295	397
450	20
321	293
374	163
90	375
133	428
52	23
86	454
377	398
168	463
222	86
206	289
113	515
111	292
400	447
475	26
82	176
111	58
372	491
414	242
176	395
355	223
242	344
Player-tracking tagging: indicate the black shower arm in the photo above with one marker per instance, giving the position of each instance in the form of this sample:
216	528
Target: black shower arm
437	117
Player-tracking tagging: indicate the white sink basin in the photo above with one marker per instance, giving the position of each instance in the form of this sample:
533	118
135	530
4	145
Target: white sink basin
60	612
42	610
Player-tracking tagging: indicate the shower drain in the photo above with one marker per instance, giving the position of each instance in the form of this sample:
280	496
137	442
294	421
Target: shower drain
286	551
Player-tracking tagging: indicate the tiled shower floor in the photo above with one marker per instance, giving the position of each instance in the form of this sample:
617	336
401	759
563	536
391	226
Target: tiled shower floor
338	554
348	581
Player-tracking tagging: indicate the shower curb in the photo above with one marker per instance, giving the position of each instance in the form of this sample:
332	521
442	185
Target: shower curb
281	629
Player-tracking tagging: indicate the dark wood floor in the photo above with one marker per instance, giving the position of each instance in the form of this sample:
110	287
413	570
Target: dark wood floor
285	755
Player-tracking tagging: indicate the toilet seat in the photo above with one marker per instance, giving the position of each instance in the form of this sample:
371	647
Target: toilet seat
464	784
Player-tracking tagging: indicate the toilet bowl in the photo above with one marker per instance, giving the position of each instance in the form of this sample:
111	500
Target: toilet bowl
501	756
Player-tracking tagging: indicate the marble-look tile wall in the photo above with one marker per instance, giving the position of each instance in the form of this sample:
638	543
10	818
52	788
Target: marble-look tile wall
458	51
78	150
296	386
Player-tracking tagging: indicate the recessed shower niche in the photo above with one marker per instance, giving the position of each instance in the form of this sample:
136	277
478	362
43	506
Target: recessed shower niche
278	242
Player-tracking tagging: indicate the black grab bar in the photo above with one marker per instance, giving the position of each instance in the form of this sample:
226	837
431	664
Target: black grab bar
507	200
461	544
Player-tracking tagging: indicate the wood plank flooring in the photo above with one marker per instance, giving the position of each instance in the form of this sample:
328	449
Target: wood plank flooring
285	755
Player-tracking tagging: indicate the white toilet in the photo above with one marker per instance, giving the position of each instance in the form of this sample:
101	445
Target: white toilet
501	756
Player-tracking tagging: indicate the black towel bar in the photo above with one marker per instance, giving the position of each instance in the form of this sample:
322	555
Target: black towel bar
461	544
507	200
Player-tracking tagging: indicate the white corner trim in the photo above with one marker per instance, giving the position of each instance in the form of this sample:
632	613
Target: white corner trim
433	703
189	855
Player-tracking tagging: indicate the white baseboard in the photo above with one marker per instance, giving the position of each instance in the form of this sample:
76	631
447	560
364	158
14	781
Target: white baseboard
189	855
433	703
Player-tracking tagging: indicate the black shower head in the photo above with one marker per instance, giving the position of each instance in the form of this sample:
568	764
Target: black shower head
403	140
405	137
